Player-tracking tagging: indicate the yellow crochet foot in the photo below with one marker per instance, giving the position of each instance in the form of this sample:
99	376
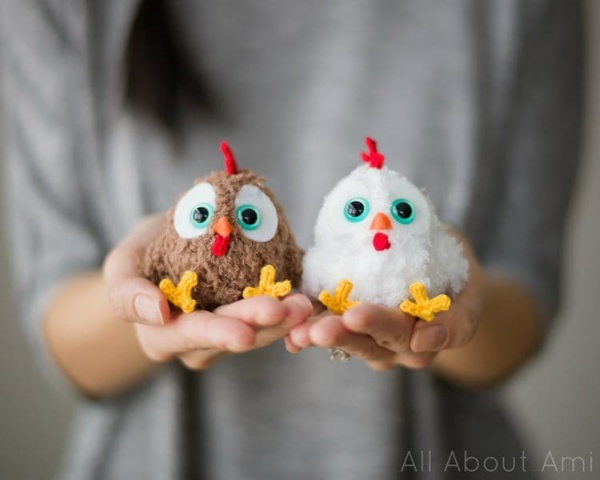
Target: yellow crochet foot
180	295
423	306
267	285
338	303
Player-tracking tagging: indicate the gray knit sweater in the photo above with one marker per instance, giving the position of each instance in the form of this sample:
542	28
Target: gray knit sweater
477	101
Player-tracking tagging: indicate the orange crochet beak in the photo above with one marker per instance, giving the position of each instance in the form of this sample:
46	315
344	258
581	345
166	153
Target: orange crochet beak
381	222
223	227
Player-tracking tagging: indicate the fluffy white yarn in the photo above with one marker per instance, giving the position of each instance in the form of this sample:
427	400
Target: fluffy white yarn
420	251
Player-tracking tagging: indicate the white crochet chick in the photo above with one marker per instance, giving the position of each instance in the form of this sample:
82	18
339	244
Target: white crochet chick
378	240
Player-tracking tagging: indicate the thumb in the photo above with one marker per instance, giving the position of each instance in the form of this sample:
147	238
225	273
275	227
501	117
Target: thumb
135	299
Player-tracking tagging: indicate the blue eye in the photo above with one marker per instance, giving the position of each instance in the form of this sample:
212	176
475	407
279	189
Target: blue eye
356	210
248	217
403	211
201	215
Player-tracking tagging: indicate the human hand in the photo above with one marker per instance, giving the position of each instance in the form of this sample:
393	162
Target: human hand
386	337
199	338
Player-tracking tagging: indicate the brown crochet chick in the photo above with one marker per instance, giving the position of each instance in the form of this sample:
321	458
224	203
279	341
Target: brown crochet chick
226	238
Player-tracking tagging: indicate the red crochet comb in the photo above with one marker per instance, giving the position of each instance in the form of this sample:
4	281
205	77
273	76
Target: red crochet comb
373	158
230	164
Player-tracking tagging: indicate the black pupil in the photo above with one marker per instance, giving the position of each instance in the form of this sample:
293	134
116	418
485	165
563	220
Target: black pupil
356	208
249	216
201	214
404	210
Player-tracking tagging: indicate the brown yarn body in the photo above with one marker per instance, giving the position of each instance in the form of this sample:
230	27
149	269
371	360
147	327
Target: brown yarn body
221	280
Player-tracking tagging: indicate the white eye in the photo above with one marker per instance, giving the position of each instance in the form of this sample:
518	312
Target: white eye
194	211
255	214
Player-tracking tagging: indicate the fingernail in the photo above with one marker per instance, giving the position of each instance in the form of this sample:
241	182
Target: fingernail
430	339
302	305
291	348
147	309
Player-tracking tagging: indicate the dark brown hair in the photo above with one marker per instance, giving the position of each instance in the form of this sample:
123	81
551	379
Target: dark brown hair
159	79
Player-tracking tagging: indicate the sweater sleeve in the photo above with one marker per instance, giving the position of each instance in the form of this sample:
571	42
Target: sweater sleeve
49	137
526	219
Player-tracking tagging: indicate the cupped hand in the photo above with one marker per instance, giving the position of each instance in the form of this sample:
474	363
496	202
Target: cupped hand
386	337
196	338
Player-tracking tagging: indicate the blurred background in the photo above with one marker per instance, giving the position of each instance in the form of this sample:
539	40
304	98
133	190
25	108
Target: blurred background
556	398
